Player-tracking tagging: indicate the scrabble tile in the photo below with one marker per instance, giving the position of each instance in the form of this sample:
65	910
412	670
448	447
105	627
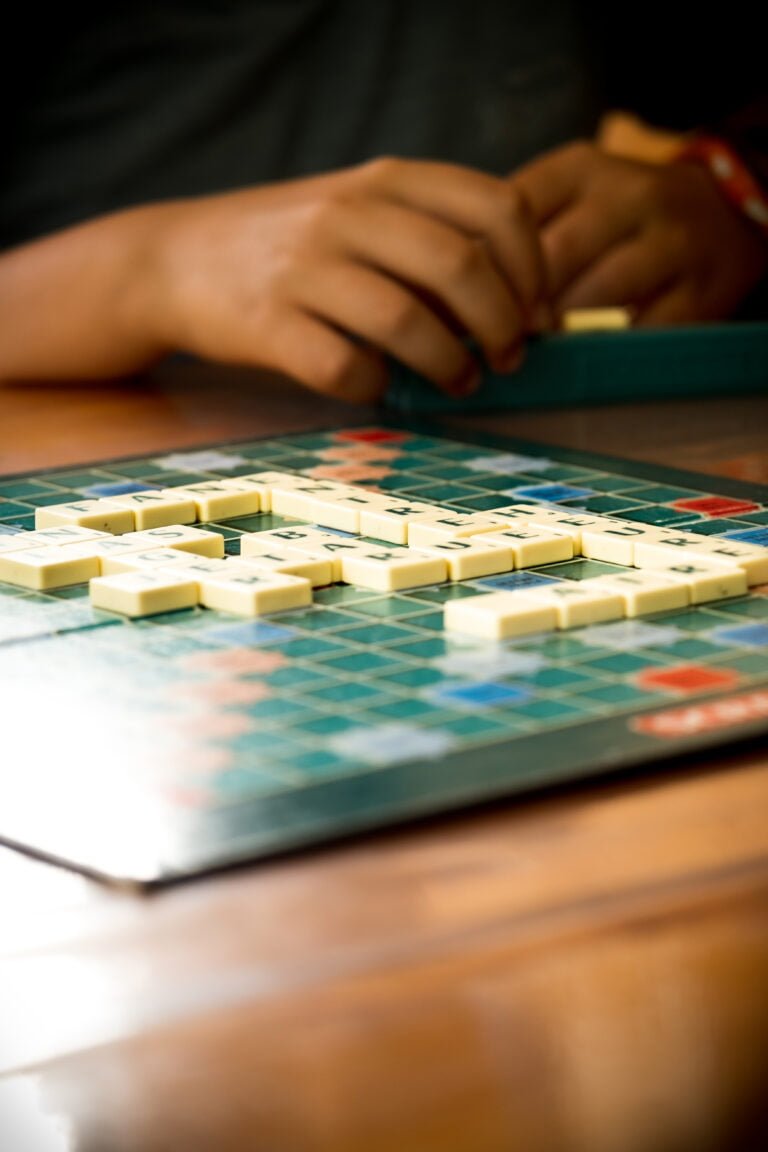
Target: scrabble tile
499	615
596	319
318	571
470	558
564	522
430	527
157	509
614	540
110	563
644	591
220	499
102	515
65	534
391	569
317	502
18	542
246	592
51	567
263	482
705	581
532	545
300	541
143	593
750	557
579	602
187	538
389	520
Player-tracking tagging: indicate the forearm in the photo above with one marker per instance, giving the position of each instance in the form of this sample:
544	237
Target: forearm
76	304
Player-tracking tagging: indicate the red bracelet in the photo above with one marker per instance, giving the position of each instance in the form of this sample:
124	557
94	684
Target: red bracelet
736	182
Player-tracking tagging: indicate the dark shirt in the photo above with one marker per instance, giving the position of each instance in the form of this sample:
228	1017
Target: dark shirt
129	103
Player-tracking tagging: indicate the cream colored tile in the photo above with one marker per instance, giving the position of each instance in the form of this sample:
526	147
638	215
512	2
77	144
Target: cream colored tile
101	515
246	592
389	519
579	602
705	581
262	483
201	541
47	568
300	541
438	524
110	563
644	591
143	593
389	569
499	615
614	540
219	499
555	520
470	558
316	501
533	545
66	534
750	557
318	572
18	542
156	509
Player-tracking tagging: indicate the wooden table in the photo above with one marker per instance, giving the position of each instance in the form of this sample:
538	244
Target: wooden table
582	970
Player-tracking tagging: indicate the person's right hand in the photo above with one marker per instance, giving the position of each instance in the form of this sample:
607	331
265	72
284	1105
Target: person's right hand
323	278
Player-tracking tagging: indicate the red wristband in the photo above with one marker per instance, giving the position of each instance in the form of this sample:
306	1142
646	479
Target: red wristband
736	182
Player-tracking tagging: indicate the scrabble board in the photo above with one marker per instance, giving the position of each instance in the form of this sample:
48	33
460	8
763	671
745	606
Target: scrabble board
142	750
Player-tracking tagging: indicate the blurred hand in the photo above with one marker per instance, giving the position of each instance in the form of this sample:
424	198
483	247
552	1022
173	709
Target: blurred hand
321	278
660	239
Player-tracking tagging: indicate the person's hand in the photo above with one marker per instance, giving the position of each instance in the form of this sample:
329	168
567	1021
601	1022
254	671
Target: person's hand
660	239
321	279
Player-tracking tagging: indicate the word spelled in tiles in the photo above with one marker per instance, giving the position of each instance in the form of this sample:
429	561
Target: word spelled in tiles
142	554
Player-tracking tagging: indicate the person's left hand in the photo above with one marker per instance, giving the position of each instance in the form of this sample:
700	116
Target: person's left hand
660	239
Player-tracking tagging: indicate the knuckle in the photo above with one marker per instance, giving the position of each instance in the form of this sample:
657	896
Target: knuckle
335	371
462	259
381	170
400	317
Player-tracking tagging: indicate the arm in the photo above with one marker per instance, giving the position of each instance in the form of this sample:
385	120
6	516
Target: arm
320	279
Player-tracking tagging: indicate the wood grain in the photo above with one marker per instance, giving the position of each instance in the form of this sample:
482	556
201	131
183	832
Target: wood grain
581	969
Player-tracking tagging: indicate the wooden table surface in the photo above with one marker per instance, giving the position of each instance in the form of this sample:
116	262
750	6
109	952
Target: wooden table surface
584	969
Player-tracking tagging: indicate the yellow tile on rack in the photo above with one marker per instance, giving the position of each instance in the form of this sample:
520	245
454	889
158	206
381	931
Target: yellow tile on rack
499	615
533	545
750	557
644	591
705	582
389	519
319	572
438	524
247	592
596	319
156	509
219	499
579	602
390	569
470	558
47	568
137	594
101	515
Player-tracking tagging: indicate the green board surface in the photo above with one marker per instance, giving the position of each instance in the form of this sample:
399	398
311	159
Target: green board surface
610	367
150	750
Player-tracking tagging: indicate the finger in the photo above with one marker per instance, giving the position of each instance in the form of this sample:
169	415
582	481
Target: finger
313	353
481	206
553	181
625	275
457	275
675	305
579	237
384	313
